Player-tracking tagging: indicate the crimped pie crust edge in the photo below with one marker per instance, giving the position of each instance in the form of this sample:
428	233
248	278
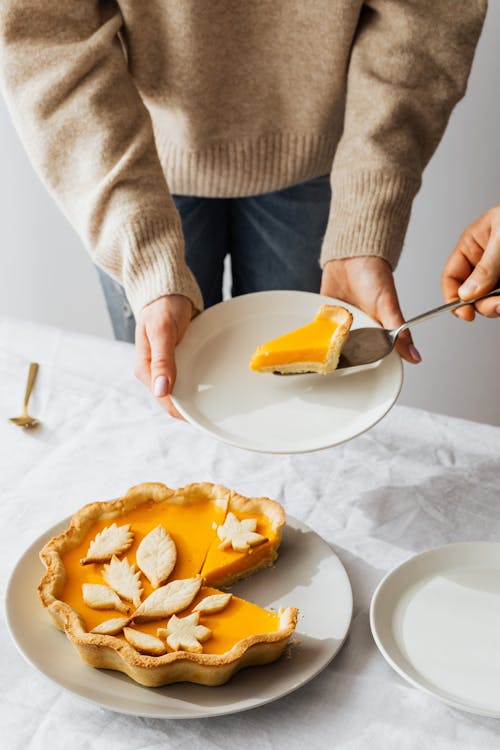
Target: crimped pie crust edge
111	652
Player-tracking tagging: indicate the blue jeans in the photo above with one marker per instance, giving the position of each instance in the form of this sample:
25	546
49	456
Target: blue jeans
273	241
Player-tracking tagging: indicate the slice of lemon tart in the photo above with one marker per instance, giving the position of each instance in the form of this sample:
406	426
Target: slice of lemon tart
132	582
315	347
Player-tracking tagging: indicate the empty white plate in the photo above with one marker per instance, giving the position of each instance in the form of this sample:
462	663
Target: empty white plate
216	390
436	619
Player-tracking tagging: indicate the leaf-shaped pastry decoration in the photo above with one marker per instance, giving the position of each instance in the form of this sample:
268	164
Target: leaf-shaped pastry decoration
240	535
145	643
156	555
123	578
112	540
111	627
184	633
212	604
173	597
97	596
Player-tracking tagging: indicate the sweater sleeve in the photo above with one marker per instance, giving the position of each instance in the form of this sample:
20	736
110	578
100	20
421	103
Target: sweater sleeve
408	68
65	78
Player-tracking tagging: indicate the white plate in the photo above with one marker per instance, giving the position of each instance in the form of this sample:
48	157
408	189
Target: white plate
216	390
436	619
307	574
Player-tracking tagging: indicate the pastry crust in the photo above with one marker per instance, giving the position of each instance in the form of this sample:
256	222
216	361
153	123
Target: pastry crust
275	513
109	652
112	652
343	319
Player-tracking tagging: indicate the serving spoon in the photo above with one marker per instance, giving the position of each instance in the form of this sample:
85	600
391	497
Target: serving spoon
363	346
25	420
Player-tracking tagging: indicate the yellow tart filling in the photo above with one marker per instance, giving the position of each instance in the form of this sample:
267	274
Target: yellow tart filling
190	526
196	528
239	619
224	565
314	347
306	344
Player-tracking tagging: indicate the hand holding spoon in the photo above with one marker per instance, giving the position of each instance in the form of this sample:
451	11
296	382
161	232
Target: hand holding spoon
366	345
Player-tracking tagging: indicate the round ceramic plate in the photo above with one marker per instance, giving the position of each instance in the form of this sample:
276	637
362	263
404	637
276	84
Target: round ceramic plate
305	570
436	619
216	390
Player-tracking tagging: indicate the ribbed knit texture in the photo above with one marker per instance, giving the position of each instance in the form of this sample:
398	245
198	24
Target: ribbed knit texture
153	248
248	167
122	103
369	215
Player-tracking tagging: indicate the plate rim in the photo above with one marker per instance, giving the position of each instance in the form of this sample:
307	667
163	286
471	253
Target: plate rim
436	693
292	522
322	299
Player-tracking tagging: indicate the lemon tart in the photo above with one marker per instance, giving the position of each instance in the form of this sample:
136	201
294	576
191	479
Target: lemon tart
314	347
133	583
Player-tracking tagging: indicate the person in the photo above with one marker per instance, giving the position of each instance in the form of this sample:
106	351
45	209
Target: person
473	267
292	135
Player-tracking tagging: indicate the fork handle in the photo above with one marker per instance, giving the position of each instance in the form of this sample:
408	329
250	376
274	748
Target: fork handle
442	308
29	385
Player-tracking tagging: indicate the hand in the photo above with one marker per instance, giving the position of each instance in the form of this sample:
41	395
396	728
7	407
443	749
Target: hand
473	267
160	327
368	283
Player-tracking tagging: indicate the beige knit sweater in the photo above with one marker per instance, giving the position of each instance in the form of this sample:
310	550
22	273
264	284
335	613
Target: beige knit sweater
121	103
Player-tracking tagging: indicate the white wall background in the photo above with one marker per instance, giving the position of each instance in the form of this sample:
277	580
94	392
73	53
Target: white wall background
460	372
46	276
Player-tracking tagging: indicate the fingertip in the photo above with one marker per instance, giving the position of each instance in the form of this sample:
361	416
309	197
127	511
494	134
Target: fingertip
466	314
407	349
489	308
469	288
161	386
415	355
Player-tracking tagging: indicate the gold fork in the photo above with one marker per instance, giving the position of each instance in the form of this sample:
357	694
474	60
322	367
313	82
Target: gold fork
25	420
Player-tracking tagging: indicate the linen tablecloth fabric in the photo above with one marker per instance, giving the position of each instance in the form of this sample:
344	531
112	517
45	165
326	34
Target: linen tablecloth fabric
414	481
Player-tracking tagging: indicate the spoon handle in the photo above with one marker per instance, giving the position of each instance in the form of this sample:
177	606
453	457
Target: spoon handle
437	310
29	385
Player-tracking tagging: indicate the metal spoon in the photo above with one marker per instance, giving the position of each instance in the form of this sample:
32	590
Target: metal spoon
366	345
25	420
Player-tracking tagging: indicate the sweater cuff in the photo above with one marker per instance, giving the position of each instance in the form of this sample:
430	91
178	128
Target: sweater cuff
369	215
153	264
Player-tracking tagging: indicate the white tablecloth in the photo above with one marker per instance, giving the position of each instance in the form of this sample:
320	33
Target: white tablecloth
415	481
